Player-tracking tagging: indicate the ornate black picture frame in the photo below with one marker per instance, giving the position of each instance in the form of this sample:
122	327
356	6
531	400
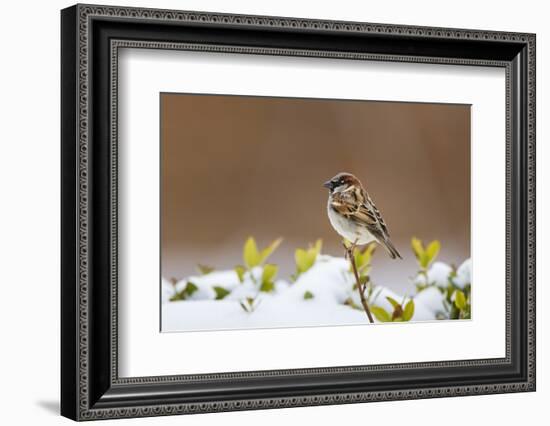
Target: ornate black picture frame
91	36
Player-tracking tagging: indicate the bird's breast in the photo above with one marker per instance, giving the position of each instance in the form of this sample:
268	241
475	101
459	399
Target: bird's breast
348	228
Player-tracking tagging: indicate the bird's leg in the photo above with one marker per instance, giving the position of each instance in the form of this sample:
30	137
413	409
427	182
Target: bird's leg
346	250
349	251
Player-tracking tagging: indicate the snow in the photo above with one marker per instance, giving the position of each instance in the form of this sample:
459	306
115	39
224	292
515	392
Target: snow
463	274
270	312
431	299
421	312
206	283
438	274
328	280
167	290
329	283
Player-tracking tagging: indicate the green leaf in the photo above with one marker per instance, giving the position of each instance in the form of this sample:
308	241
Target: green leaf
267	286
220	292
304	259
460	299
240	270
268	251
408	312
204	269
433	250
269	272
300	257
449	293
424	260
184	294
416	245
363	259
318	246
268	275
380	314
190	288
455	312
251	256
180	295
393	302
308	295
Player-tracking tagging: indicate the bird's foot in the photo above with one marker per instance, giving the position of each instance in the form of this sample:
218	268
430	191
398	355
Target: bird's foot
349	250
346	251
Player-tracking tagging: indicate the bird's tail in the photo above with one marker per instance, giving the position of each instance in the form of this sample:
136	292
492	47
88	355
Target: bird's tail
390	248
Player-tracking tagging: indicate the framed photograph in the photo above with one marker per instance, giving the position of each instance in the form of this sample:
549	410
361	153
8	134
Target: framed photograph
263	212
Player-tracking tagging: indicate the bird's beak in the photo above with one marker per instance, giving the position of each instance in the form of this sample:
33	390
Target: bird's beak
328	184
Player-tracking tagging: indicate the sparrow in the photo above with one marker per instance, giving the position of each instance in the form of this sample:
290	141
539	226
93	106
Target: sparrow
353	214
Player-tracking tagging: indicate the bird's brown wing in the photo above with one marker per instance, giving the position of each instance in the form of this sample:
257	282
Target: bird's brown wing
351	204
372	210
380	229
356	205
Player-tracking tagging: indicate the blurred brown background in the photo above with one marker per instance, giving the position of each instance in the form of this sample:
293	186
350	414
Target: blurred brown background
234	166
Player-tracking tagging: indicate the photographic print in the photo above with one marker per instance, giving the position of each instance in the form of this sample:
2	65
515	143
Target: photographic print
293	212
259	182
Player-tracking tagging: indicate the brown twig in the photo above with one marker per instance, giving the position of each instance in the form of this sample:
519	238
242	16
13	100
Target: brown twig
360	287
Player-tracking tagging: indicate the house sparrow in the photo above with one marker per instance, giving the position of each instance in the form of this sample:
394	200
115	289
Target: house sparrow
353	214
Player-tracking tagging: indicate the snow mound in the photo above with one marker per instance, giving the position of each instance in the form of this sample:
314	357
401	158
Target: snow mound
431	299
438	274
327	281
463	274
323	295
